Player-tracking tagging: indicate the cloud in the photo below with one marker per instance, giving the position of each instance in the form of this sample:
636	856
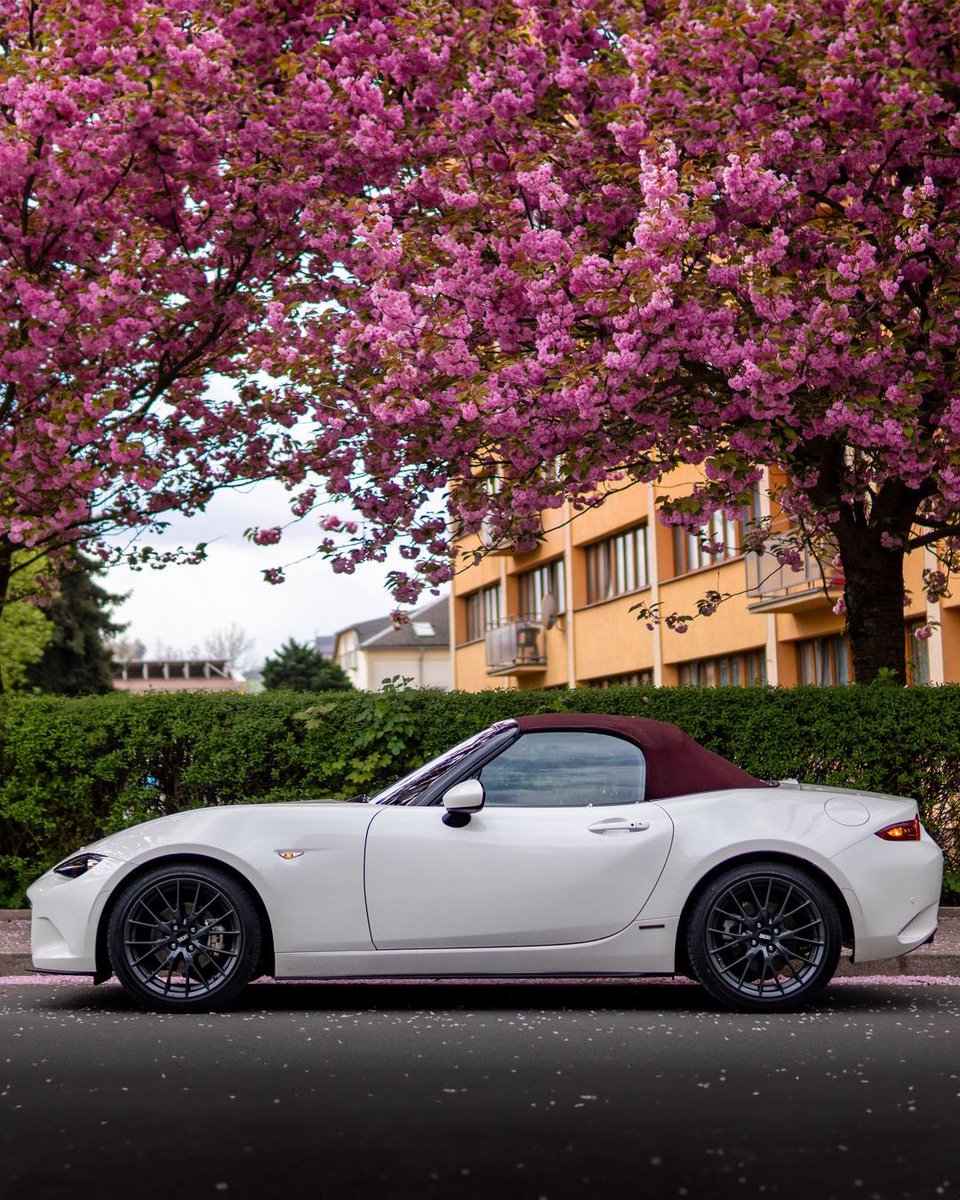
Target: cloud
181	606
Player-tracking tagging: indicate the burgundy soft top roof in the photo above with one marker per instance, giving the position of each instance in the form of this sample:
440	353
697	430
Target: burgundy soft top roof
676	764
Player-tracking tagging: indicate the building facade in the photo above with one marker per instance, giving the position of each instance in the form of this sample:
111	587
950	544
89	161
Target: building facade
177	675
560	616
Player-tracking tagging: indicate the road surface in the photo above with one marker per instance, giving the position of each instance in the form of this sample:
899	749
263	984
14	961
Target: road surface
487	1091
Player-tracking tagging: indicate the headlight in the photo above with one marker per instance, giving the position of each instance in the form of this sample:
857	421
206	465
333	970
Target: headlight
79	864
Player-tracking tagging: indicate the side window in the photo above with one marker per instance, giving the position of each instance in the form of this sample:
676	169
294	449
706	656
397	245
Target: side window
575	768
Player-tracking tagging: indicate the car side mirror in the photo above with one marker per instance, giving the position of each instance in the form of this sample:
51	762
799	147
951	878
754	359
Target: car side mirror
461	800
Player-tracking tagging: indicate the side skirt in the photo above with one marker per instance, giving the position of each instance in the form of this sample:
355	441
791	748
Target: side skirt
641	949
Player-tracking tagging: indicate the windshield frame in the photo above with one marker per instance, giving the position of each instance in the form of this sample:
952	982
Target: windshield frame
421	786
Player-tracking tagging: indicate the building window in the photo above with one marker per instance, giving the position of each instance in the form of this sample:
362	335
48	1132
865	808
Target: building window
642	678
348	649
534	585
618	564
729	670
483	611
690	545
825	661
722	533
918	655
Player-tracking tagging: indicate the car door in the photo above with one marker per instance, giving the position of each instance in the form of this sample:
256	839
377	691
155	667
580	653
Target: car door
564	850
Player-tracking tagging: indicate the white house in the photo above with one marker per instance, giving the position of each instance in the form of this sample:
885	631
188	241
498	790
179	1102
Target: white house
373	651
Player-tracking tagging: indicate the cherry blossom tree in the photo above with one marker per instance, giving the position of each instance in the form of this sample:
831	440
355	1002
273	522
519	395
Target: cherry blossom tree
462	263
641	233
166	173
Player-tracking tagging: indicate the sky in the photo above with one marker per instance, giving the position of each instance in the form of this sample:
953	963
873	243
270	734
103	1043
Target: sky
178	608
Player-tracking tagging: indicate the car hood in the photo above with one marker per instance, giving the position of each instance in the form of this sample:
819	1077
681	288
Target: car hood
223	824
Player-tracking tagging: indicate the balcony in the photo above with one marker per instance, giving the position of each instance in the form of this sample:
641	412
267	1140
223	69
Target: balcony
490	543
779	587
516	646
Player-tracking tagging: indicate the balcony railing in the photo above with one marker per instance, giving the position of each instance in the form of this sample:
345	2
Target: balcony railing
775	586
491	543
506	544
516	646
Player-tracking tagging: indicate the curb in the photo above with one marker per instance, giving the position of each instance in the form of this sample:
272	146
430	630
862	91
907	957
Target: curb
918	963
15	964
928	960
912	965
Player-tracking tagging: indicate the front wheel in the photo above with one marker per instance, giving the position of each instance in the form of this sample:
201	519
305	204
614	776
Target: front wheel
764	937
184	938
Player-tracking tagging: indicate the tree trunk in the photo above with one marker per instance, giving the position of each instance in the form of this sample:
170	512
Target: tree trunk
6	567
873	594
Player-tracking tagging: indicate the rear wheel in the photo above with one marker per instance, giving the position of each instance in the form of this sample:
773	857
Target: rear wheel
764	937
184	938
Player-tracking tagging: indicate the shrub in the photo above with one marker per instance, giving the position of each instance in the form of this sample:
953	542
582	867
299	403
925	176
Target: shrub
73	770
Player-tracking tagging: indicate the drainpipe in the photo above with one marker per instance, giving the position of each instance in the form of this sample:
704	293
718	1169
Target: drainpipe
453	637
771	650
934	613
655	532
568	616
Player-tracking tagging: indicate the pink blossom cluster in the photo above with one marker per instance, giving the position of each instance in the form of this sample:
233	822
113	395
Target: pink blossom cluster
468	262
935	585
178	184
619	239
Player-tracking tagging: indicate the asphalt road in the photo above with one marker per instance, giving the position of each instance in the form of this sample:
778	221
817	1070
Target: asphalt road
480	1091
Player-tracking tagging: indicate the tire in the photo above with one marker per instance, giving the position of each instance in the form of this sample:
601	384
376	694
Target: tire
764	937
184	938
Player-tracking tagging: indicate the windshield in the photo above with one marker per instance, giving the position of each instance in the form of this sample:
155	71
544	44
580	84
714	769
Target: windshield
410	787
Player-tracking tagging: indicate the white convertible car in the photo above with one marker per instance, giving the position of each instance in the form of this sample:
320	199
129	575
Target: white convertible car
563	844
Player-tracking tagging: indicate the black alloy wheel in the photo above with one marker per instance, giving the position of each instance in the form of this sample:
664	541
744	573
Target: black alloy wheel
184	938
764	937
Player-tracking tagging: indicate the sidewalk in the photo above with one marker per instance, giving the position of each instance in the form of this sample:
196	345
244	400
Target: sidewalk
942	958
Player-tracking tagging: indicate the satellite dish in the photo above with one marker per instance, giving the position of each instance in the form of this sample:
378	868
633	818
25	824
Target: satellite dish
549	612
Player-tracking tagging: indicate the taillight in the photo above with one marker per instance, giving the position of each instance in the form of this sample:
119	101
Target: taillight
903	831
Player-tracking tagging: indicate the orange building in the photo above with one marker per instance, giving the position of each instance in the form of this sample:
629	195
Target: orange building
560	616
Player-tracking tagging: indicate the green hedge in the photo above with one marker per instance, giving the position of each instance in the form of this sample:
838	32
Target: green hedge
72	770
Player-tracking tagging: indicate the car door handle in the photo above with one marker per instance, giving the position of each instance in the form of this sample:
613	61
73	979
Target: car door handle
618	825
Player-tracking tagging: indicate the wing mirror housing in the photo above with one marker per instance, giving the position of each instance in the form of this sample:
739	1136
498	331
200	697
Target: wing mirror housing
461	800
